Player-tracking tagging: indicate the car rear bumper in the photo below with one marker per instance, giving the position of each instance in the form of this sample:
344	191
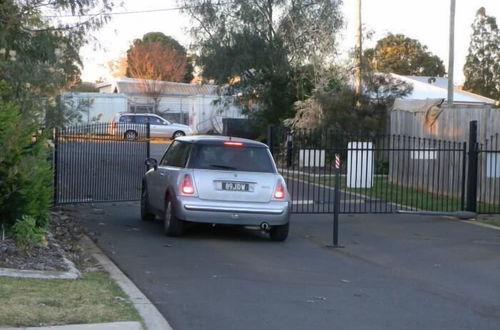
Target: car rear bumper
247	214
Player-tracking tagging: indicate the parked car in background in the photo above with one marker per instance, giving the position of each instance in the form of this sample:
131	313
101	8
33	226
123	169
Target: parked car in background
131	126
216	180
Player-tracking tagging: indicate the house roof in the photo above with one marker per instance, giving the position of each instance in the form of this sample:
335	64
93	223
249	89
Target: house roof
437	88
131	86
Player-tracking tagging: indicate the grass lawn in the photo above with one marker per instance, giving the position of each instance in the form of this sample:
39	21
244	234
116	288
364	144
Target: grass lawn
404	195
94	298
490	221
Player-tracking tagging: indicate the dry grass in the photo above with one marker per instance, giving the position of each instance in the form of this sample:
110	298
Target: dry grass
94	298
494	221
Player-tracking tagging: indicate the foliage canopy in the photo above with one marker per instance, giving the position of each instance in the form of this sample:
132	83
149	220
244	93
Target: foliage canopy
158	57
39	58
260	47
482	66
397	53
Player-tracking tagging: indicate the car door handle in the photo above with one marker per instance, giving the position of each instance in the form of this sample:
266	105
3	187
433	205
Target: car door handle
162	174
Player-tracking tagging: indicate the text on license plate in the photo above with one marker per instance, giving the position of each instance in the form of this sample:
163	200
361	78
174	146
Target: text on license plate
235	186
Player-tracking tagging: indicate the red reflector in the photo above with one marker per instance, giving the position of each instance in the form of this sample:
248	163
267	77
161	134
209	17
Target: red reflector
232	143
187	185
279	193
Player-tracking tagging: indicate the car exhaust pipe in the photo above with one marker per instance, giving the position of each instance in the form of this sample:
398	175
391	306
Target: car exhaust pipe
264	226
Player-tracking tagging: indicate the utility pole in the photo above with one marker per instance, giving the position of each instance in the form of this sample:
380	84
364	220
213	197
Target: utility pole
359	49
451	53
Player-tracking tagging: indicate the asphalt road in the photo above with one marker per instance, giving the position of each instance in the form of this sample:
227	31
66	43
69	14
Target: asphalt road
395	272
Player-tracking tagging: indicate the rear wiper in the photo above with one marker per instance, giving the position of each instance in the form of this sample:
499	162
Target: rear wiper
222	166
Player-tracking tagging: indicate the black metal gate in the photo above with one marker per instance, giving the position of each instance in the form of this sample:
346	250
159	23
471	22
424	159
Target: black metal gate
95	163
384	173
488	175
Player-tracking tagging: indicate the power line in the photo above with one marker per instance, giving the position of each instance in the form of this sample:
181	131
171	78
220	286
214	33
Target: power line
120	13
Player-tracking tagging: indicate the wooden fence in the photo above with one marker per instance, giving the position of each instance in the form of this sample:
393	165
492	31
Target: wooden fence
427	122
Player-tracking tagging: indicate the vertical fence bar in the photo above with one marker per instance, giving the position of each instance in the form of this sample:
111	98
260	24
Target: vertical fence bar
54	164
473	167
336	207
464	175
496	176
148	140
270	144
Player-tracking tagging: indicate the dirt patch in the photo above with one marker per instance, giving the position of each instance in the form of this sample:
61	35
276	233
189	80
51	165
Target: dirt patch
63	239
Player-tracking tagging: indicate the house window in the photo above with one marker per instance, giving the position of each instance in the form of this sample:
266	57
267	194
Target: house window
142	108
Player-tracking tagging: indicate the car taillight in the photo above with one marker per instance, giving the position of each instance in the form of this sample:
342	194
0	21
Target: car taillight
187	186
233	144
280	192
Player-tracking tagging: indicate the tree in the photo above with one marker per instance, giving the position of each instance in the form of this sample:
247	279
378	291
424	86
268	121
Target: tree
153	64
160	57
336	105
84	87
260	47
118	68
396	53
39	56
38	50
38	59
154	59
482	66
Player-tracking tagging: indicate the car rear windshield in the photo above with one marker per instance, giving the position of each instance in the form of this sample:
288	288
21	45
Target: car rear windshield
231	158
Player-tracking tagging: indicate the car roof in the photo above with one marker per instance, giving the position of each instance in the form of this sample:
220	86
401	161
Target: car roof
137	114
218	139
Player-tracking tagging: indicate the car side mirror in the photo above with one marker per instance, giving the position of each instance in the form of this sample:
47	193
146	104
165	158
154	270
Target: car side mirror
151	162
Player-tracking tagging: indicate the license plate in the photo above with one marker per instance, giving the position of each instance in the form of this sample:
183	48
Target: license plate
235	186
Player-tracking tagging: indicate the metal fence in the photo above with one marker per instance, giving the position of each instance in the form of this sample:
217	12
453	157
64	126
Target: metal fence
384	173
92	164
377	173
489	175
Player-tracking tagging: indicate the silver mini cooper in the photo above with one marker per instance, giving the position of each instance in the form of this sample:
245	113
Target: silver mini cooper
216	180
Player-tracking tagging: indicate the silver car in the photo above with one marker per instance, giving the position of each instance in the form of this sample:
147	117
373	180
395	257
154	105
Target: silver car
131	126
216	180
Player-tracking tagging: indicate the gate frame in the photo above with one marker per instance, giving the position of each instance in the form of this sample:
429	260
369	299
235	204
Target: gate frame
56	157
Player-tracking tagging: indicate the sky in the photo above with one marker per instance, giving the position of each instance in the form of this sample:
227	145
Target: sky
424	20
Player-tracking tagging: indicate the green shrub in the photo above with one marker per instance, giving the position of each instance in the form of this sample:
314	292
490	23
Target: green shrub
25	170
382	167
26	232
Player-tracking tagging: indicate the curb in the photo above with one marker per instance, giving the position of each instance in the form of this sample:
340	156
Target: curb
95	326
149	313
480	224
71	274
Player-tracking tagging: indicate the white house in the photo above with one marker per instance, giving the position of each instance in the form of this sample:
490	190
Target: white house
199	106
95	107
437	88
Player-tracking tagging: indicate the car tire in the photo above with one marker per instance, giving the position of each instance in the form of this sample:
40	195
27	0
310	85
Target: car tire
172	226
130	135
146	214
178	134
279	233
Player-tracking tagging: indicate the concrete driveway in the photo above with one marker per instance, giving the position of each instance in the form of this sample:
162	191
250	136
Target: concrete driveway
395	272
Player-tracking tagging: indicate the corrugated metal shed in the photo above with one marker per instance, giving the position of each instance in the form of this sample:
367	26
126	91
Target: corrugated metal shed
132	86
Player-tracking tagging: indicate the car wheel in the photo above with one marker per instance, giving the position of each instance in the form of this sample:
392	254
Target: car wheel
279	233
130	135
178	134
146	215
172	226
